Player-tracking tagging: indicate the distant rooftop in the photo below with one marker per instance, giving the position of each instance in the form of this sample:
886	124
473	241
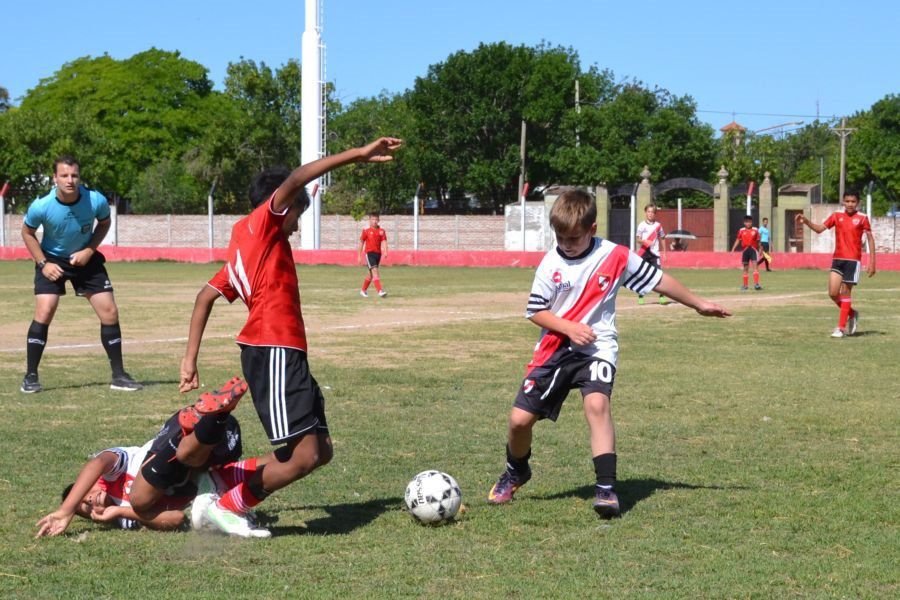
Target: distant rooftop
733	126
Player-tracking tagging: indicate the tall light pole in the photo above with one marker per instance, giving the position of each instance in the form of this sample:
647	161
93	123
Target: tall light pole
312	119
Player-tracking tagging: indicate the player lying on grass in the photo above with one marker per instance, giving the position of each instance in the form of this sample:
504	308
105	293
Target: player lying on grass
573	301
849	228
260	271
150	485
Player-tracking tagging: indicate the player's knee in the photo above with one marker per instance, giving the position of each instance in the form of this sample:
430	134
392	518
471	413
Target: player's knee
519	423
326	453
597	404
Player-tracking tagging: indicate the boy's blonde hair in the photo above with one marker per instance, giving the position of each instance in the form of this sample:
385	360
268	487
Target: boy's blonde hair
574	210
649	206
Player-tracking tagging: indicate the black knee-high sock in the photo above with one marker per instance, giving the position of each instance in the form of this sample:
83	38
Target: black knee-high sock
605	469
210	429
36	340
111	337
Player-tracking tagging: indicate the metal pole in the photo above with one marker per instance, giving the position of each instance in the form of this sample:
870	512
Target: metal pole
522	204
844	132
679	213
209	213
3	192
632	224
750	198
822	179
416	215
868	209
522	180
578	111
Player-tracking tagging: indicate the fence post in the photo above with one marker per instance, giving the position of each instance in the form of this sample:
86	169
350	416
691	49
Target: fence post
169	229
114	224
457	231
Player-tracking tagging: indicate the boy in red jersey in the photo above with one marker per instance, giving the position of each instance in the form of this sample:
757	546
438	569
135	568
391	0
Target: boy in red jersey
260	271
573	301
849	227
371	240
748	238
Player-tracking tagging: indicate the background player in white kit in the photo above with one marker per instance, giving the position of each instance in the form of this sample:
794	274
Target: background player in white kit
573	301
649	232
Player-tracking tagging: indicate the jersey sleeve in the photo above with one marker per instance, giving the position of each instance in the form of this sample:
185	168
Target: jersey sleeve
362	235
640	276
265	220
383	236
35	215
829	222
866	224
121	466
221	282
100	206
543	292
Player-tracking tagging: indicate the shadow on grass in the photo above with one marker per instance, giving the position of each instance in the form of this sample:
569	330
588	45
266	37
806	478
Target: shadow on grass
632	491
864	333
105	384
341	519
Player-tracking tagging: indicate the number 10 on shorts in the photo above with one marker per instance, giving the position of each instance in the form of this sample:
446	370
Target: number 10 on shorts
601	371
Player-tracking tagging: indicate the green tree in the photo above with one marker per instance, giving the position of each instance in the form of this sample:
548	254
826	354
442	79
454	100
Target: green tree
167	187
4	99
873	152
360	188
117	116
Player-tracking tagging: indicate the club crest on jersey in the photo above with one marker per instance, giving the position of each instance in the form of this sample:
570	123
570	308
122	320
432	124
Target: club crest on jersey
528	386
559	283
856	221
603	281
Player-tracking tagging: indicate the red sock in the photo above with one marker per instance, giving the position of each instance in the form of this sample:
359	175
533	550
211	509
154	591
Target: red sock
377	283
755	277
233	474
837	301
746	277
366	283
238	499
845	311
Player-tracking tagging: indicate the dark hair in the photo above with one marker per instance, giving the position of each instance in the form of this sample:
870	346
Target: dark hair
67	491
748	218
375	213
66	159
853	193
264	184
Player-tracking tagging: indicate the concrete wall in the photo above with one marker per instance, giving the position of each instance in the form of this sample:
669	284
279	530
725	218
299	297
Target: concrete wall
885	229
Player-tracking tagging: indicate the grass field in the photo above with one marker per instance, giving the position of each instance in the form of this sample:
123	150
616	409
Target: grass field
757	456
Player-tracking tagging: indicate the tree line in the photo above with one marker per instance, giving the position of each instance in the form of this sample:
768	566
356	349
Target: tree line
155	136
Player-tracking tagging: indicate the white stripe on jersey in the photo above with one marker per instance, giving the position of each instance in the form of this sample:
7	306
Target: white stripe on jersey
560	282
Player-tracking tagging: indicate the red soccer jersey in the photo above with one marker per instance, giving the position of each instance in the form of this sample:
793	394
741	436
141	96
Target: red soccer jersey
848	232
373	236
260	271
749	237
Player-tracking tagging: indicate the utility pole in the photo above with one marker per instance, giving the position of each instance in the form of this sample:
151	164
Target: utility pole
578	111
522	190
843	132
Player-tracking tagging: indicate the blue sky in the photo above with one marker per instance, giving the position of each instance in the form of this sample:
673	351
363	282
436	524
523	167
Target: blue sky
774	57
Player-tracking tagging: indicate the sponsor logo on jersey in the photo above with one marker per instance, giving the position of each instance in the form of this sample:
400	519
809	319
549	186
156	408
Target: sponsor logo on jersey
529	385
232	439
560	284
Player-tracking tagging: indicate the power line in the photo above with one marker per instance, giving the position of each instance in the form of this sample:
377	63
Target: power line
756	114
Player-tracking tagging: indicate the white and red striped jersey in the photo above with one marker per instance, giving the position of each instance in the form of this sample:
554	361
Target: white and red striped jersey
117	482
651	233
584	289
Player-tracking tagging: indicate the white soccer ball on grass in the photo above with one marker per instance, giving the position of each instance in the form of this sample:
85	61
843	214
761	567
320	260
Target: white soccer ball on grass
433	497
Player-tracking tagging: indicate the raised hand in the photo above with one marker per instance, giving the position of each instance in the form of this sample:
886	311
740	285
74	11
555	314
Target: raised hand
381	150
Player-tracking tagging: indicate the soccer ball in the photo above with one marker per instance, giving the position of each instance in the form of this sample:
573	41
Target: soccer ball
433	497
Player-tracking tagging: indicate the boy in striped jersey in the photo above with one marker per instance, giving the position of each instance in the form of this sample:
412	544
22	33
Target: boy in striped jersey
573	302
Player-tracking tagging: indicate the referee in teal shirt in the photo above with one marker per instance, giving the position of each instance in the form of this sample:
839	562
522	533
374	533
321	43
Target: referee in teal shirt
67	251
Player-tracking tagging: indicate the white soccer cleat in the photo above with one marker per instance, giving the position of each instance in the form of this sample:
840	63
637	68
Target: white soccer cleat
234	524
853	322
198	511
382	293
837	333
364	293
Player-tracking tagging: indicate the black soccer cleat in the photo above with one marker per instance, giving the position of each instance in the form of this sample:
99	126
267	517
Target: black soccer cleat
31	385
124	383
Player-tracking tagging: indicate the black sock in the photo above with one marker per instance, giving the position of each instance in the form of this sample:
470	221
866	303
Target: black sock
35	342
605	469
517	466
257	489
210	429
111	337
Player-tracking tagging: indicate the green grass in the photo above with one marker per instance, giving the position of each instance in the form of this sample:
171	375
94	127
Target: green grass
757	456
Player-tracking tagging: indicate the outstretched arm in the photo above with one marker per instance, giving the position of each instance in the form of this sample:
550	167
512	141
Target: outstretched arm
674	289
817	227
166	520
870	240
58	521
380	150
203	306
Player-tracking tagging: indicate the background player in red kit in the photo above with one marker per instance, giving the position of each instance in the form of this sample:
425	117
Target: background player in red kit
371	241
748	238
849	227
260	271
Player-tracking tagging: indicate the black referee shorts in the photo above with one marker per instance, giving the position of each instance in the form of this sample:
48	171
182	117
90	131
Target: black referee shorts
89	279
